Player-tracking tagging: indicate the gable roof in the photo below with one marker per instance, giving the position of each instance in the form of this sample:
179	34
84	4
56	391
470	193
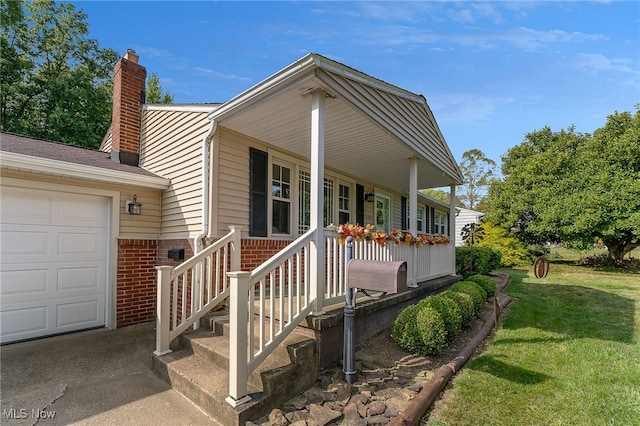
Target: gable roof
372	127
39	156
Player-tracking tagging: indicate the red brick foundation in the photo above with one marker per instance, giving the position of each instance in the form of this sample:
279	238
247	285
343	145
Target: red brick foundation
137	277
255	252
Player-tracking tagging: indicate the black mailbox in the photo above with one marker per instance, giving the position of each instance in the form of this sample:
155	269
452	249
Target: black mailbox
377	275
176	254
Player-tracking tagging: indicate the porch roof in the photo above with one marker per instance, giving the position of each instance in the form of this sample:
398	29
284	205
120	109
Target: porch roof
372	128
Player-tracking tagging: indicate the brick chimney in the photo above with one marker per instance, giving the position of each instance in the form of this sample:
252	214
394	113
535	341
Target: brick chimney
128	97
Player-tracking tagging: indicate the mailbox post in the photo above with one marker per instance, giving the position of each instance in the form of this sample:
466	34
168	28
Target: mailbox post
381	276
348	349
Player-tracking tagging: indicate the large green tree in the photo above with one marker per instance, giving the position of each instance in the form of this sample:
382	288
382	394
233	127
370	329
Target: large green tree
56	82
478	172
573	187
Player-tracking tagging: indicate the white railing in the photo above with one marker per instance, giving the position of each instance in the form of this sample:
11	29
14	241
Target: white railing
423	263
189	291
266	306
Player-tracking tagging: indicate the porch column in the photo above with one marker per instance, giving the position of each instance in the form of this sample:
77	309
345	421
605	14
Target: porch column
413	217
317	196
452	225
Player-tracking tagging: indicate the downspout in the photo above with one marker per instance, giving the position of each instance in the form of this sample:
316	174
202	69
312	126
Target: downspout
197	242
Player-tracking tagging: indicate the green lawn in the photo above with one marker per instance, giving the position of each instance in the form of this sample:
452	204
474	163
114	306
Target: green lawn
567	353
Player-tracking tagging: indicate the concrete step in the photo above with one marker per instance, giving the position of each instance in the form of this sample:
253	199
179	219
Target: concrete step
198	369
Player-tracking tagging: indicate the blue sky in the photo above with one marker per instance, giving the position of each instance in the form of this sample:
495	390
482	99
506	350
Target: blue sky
491	71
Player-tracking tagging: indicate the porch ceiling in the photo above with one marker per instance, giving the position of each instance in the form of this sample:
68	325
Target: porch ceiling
365	132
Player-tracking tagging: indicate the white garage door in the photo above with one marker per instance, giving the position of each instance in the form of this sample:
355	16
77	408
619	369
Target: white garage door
53	268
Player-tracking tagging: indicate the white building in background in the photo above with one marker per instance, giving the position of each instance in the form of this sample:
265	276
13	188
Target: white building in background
464	217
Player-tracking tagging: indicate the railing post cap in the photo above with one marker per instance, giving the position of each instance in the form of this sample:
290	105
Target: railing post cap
164	268
238	274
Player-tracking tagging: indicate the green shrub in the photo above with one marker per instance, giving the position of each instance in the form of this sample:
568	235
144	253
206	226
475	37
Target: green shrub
430	325
476	260
512	251
405	329
448	310
485	282
474	290
495	260
465	304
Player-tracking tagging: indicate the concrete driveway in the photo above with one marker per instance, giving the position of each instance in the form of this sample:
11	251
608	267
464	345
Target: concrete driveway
99	377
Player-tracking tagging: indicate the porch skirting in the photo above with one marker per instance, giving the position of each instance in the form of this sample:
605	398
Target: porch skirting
371	317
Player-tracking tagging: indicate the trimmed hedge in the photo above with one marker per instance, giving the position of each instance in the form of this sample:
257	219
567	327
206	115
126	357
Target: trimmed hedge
475	260
448	310
485	282
420	328
474	290
465	304
405	329
429	325
433	336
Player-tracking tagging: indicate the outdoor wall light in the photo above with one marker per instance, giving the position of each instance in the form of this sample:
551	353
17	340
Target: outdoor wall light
133	206
369	196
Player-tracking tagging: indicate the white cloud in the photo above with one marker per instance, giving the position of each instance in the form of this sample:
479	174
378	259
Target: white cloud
465	108
219	75
596	62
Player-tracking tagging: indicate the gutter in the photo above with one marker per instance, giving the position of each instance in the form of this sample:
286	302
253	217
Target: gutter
197	242
46	166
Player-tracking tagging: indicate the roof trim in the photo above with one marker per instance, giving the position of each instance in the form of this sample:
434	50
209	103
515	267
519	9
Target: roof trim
433	200
181	107
27	163
263	88
340	79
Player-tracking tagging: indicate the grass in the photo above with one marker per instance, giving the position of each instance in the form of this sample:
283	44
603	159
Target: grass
567	353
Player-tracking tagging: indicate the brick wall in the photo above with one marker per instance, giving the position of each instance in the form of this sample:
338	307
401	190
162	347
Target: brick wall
137	277
255	252
136	288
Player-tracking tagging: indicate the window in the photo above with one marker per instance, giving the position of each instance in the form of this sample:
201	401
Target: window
304	201
274	212
383	213
343	204
328	202
440	223
281	199
420	220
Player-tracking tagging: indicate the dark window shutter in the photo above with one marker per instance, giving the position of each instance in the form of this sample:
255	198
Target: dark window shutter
360	205
403	213
433	221
258	199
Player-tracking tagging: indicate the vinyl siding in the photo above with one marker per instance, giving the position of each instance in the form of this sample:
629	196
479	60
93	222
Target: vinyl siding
465	217
172	148
232	177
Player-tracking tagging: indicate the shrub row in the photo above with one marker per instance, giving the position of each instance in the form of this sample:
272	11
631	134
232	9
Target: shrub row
476	260
429	325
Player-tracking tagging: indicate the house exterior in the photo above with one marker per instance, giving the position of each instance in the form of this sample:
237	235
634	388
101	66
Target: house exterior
317	143
465	217
66	239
